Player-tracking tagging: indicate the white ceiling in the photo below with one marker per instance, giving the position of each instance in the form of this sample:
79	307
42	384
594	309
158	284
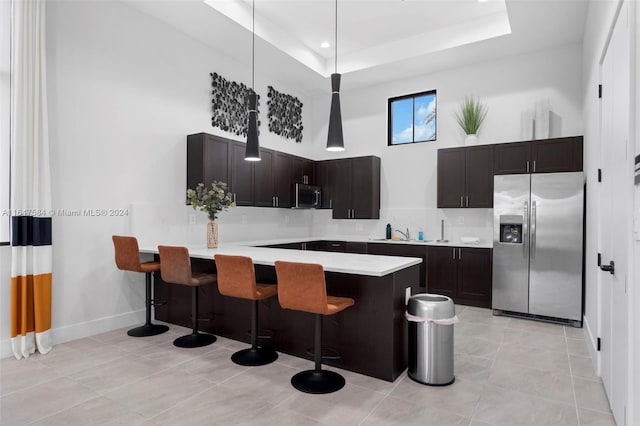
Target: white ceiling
378	40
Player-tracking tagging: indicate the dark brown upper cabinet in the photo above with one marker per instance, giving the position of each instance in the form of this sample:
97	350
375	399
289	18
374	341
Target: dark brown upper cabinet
263	180
355	188
325	169
539	156
282	183
303	171
241	172
465	177
208	159
350	186
212	158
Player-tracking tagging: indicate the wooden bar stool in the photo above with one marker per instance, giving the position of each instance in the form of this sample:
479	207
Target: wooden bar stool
175	268
237	278
302	287
128	259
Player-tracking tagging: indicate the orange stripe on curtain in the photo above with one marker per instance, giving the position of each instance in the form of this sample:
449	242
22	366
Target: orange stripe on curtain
30	304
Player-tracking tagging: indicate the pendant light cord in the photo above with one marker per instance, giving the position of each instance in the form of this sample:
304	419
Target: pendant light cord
336	41
253	46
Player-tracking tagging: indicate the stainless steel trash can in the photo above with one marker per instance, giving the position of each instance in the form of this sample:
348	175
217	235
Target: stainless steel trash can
431	318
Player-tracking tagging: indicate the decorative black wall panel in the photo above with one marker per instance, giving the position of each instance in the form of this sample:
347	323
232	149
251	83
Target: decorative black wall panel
285	115
230	104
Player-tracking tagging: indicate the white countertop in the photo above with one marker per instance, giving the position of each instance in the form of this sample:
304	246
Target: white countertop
346	263
451	243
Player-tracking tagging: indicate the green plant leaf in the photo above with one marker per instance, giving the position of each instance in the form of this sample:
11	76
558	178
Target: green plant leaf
470	115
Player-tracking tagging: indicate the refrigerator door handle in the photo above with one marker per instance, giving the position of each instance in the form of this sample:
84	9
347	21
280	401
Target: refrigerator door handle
525	229
533	230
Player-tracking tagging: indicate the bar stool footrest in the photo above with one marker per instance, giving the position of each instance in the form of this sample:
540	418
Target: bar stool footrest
318	381
148	330
194	340
253	357
327	353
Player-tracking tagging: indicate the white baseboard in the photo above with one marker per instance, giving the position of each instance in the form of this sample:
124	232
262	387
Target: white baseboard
591	341
84	329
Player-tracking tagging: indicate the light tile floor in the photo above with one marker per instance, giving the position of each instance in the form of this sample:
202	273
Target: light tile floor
508	372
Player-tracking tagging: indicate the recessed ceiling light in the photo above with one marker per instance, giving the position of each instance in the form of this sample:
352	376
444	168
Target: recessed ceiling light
325	45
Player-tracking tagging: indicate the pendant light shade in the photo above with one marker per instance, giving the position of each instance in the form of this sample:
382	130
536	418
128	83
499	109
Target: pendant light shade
252	150
335	141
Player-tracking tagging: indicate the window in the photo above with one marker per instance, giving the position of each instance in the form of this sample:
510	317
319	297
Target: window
5	55
412	118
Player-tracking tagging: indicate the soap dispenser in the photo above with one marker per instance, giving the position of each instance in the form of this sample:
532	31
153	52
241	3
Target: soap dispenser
388	236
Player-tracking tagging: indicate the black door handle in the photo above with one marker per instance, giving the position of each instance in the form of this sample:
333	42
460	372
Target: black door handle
610	268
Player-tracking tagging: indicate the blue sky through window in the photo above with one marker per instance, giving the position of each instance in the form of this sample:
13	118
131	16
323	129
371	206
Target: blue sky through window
413	119
401	117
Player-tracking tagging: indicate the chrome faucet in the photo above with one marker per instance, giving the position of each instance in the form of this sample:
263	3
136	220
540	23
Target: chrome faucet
407	235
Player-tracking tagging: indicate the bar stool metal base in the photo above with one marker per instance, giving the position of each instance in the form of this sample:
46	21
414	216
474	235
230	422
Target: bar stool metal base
318	381
254	357
148	330
194	340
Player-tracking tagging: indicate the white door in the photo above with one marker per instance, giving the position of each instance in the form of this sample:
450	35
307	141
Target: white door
613	220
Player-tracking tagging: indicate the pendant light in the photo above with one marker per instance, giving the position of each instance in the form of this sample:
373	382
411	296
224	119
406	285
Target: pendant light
335	141
252	150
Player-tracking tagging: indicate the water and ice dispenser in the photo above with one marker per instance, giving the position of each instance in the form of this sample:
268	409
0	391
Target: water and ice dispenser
511	229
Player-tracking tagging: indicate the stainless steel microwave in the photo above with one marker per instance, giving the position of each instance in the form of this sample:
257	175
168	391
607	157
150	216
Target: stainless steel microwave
306	196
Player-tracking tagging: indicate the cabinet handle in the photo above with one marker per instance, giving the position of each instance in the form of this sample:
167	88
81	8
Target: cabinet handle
330	204
277	201
234	197
527	166
467	201
534	166
454	253
461	201
459	253
335	244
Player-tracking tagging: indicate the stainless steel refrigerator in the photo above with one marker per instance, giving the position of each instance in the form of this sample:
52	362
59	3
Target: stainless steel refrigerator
537	245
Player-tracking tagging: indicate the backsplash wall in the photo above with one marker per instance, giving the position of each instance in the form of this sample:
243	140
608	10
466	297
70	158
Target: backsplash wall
458	223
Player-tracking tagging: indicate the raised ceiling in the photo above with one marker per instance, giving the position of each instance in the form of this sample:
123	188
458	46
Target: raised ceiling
378	40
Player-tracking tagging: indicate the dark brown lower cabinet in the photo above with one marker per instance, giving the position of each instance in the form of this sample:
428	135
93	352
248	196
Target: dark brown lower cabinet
369	337
462	273
403	250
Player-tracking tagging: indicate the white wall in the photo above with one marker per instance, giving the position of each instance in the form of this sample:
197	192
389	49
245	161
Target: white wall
408	188
124	91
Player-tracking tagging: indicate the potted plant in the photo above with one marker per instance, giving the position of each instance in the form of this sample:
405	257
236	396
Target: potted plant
211	201
470	116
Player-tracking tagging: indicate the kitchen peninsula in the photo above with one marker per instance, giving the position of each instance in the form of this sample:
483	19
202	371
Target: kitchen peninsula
369	338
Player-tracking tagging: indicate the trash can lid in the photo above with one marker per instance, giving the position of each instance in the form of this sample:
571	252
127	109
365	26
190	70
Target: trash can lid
431	306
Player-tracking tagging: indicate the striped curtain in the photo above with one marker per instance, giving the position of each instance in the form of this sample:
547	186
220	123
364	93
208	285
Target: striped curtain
31	251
